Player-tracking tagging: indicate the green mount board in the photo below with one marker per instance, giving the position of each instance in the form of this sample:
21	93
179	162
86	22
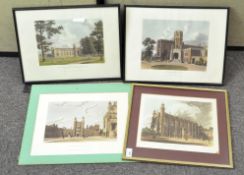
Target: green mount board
25	157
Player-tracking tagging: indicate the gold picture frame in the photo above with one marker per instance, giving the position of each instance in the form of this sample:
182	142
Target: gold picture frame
131	118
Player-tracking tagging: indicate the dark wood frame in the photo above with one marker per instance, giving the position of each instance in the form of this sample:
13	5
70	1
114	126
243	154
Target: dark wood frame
66	7
222	159
175	7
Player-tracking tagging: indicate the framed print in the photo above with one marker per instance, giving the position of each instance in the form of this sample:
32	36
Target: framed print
175	44
69	43
179	125
75	124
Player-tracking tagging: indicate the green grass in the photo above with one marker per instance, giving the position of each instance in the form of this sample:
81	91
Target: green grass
169	67
70	60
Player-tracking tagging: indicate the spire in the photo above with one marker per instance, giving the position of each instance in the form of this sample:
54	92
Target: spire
162	105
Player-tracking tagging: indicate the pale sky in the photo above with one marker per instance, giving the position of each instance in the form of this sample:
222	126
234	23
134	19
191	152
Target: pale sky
63	113
201	112
194	32
73	31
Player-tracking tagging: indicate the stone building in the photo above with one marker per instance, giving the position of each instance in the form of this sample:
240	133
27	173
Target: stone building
66	52
110	120
68	132
79	128
52	131
193	55
163	49
93	130
166	125
175	49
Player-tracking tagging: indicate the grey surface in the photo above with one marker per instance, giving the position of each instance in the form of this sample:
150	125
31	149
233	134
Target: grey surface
13	106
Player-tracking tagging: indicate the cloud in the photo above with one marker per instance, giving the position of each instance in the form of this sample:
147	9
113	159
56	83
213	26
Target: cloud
89	108
79	20
186	28
89	24
198	38
73	31
196	111
63	113
183	110
66	39
167	33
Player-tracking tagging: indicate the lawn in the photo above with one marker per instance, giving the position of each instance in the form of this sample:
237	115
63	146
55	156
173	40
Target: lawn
169	67
70	60
78	139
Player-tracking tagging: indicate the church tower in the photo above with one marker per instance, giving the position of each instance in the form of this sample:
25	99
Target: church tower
110	121
178	39
177	51
161	119
78	127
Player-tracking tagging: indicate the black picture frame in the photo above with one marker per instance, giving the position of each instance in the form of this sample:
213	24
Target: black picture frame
99	5
178	7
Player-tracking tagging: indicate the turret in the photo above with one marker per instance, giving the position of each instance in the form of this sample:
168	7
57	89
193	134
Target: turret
162	108
115	103
161	119
178	39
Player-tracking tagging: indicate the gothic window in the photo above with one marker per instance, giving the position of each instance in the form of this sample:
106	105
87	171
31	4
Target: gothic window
113	126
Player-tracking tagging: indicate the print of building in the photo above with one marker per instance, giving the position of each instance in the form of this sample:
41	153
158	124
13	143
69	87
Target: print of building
66	52
110	120
93	130
171	50
79	128
166	125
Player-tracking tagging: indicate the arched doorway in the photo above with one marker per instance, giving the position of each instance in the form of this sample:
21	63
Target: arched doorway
176	55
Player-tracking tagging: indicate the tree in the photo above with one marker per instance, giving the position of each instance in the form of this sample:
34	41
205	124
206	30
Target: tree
87	46
97	34
148	132
149	46
44	31
201	61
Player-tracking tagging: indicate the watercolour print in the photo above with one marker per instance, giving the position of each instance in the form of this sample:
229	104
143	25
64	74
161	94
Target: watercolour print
179	123
81	121
74	41
175	45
